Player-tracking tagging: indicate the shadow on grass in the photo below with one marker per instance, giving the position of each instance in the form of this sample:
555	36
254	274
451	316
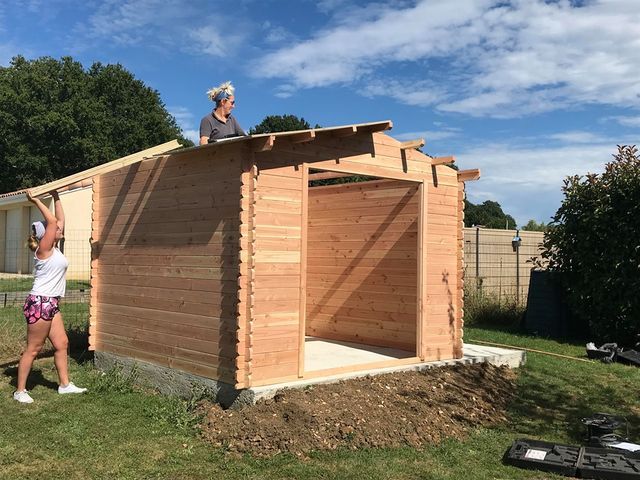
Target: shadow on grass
35	378
554	398
78	344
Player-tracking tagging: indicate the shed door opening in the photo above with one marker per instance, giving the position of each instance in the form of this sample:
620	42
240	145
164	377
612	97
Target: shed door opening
361	271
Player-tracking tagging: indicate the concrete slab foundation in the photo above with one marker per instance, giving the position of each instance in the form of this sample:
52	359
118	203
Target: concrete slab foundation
320	354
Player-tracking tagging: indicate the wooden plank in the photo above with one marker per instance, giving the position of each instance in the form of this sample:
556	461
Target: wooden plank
363	289
346	311
169	305
442	160
266	373
274	193
412	144
365	164
166	361
151	317
263	143
468	175
106	167
170	177
410	226
327	175
303	269
393	264
421	284
373	305
274	181
375	127
184	296
221	348
302	137
362	333
358	235
344	131
355	254
406	331
369	223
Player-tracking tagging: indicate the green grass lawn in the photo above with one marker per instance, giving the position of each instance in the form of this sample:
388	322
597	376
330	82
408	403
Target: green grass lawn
116	431
24	284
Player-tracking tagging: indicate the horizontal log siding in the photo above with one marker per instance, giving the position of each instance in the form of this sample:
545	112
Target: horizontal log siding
442	333
165	262
361	263
276	287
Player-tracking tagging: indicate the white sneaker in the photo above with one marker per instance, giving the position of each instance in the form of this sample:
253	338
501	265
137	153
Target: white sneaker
71	388
22	397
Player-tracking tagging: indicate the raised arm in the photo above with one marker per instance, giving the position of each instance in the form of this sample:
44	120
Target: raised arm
59	212
46	243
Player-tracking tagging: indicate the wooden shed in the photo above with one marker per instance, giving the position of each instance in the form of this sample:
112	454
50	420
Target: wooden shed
225	261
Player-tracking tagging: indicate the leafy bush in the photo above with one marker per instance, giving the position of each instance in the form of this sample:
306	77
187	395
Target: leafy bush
593	241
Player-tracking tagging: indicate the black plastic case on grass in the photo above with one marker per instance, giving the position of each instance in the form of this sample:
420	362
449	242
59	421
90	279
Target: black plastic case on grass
607	464
545	456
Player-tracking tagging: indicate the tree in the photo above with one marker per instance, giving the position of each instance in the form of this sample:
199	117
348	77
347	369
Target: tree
593	243
281	123
488	214
533	226
56	118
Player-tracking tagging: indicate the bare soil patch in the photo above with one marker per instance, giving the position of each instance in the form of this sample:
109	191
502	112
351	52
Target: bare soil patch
391	410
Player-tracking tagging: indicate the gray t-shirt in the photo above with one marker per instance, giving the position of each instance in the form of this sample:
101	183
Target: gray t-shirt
213	128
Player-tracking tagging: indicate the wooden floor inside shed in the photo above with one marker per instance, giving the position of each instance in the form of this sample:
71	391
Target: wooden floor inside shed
324	354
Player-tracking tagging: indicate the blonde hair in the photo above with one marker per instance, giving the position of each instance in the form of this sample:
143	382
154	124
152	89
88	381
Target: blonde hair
33	243
225	87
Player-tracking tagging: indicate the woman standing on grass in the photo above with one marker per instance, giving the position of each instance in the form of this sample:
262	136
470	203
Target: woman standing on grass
41	311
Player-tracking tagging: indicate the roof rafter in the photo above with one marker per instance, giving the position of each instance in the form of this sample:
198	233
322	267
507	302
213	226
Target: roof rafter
417	143
469	175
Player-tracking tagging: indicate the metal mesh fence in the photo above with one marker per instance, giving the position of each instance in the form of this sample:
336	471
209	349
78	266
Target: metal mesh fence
495	266
16	278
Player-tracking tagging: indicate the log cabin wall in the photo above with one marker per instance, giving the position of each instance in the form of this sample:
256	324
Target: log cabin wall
165	262
442	336
276	287
362	264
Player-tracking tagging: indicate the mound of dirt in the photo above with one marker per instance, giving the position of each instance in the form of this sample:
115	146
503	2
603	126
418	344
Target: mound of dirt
396	409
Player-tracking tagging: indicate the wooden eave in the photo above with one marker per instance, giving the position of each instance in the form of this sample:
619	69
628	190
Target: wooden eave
267	141
83	179
469	175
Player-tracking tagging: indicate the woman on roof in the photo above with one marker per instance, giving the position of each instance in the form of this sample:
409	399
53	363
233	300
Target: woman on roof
220	123
41	309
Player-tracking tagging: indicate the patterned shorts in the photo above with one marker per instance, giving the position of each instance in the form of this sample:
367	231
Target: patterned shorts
37	308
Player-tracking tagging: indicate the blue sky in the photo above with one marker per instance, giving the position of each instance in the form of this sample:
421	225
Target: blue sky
529	91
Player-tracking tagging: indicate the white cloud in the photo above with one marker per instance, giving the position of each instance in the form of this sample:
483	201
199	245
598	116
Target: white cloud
478	57
576	137
628	121
527	182
193	135
187	122
209	40
430	135
276	34
174	25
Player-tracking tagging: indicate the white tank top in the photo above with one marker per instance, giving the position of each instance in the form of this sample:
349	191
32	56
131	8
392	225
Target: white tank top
49	275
